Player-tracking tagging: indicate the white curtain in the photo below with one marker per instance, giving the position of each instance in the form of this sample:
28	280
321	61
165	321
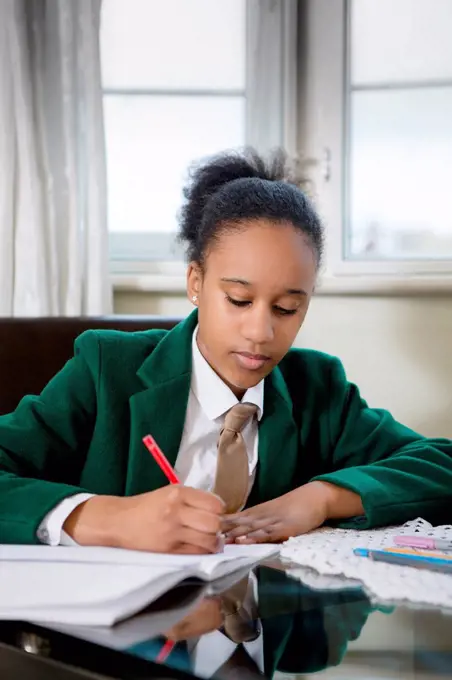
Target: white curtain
53	222
271	84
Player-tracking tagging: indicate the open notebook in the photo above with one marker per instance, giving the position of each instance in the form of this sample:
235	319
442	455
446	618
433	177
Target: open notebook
100	586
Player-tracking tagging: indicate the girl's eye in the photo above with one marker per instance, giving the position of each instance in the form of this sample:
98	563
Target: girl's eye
285	312
237	303
244	303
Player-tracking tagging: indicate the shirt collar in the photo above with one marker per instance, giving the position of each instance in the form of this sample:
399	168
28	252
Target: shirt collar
214	396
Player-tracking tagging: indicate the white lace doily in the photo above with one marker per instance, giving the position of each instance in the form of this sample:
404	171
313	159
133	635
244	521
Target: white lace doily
326	558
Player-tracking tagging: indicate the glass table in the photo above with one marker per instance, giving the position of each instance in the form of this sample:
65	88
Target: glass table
337	634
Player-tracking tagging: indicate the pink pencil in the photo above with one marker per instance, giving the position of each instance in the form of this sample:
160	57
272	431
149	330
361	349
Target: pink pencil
160	458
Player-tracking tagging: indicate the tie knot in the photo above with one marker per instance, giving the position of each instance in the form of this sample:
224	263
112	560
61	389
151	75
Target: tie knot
237	417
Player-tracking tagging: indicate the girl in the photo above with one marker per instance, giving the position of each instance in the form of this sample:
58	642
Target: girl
247	421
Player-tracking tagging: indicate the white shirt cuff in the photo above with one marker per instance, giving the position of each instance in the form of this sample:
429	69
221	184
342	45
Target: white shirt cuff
50	531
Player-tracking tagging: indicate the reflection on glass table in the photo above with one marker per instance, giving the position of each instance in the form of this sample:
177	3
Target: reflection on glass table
289	629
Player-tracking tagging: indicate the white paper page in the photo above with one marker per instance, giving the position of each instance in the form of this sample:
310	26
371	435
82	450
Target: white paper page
208	565
60	585
236	557
79	594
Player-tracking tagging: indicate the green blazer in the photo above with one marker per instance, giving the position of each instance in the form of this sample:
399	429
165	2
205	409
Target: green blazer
84	433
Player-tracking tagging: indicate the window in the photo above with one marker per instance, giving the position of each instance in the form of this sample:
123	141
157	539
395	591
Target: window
180	84
379	78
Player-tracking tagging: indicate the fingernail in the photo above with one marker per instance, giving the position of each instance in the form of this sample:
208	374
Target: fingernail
220	542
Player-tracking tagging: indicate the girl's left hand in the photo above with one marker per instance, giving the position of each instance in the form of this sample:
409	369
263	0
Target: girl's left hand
297	512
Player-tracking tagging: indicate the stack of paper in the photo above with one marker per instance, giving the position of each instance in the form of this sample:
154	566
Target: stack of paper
100	586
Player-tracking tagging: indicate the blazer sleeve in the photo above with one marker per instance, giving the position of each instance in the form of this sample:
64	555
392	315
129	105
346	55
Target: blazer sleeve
399	474
43	444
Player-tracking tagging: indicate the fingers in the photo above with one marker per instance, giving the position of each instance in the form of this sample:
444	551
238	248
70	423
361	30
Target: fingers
200	520
266	535
206	543
244	526
203	500
194	520
259	536
232	522
258	512
269	534
246	529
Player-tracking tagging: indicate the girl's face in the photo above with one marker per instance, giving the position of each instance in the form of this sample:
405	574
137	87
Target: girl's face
253	297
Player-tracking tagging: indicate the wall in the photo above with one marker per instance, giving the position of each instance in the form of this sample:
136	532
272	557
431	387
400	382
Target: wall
397	349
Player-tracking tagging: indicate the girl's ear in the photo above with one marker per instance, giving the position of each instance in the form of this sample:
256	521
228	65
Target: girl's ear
194	281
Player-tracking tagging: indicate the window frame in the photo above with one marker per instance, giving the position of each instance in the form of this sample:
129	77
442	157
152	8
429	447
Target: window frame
324	113
265	128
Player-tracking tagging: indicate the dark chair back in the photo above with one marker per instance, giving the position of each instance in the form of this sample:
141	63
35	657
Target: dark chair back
33	350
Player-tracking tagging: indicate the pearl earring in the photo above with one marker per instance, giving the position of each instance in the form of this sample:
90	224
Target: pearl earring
195	299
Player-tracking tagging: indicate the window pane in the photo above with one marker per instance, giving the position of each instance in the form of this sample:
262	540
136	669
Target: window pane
173	44
151	140
400	173
400	40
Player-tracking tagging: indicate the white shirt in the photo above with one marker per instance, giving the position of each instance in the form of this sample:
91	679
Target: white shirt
209	400
208	403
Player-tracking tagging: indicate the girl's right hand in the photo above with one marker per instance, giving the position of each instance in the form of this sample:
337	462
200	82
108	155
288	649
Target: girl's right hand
173	519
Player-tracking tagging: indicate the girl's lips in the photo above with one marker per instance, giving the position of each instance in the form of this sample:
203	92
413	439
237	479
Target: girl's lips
252	362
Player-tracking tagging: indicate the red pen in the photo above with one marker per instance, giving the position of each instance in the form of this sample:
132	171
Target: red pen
165	651
163	463
160	458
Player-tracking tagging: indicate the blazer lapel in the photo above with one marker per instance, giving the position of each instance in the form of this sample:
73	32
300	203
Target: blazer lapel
278	443
160	408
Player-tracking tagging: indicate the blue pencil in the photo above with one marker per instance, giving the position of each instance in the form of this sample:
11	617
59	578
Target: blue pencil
407	560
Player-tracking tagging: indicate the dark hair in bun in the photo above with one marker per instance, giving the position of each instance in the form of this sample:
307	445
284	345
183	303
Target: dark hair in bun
235	186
